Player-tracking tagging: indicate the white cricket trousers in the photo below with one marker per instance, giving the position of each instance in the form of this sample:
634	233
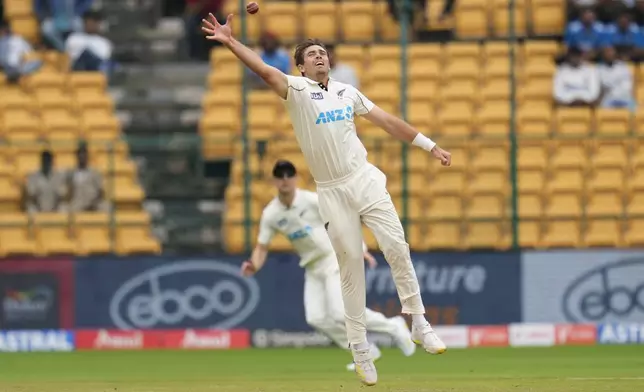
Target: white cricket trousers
345	204
323	304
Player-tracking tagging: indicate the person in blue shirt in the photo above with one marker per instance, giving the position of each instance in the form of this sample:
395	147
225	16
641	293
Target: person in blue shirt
625	36
585	34
274	55
60	18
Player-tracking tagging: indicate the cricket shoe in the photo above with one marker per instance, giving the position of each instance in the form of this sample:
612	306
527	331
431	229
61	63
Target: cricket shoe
402	337
425	336
363	360
375	354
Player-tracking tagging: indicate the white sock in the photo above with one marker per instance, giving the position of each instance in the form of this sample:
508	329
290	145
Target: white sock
418	320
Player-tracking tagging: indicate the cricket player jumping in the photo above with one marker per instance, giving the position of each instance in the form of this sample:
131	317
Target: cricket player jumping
295	214
351	190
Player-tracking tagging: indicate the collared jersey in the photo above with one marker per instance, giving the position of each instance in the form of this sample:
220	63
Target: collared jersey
324	126
301	223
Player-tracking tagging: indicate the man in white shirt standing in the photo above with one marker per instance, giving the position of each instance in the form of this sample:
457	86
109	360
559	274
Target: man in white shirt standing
295	214
616	81
576	83
351	190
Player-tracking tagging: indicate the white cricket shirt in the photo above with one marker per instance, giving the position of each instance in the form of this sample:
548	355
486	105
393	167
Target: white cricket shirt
324	127
301	223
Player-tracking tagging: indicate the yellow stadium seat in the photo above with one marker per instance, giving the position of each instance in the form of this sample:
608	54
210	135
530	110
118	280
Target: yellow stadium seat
358	20
462	69
60	124
613	121
53	99
606	179
236	213
444	207
485	235
530	234
496	91
532	156
485	207
52	234
635	204
489	181
530	206
531	180
417	237
423	73
568	154
488	156
472	18
234	237
535	91
98	125
562	234
547	16
609	154
320	20
113	164
125	191
568	180
15	238
14	98
603	233
27	159
494	119
420	115
352	55
459	90
637	157
282	19
423	52
26	27
604	203
94	102
460	51
534	120
563	205
501	14
388	28
133	234
540	50
224	78
17	9
21	125
455	119
87	81
444	235
92	232
10	192
496	50
634	235
538	72
636	180
46	80
452	182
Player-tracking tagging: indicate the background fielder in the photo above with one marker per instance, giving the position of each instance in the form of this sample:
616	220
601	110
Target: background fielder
294	213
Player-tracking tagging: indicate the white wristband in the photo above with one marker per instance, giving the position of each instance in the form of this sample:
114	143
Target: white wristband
423	142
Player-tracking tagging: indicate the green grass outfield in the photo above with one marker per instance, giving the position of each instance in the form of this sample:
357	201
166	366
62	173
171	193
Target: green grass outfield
583	369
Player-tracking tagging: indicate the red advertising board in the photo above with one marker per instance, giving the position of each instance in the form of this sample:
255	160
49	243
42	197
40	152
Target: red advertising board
488	336
37	294
576	334
162	339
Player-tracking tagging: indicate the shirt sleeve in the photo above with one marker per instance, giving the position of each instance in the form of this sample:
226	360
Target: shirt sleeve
362	105
266	231
296	88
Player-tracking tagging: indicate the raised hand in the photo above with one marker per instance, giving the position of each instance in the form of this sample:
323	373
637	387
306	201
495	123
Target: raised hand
444	156
247	268
217	32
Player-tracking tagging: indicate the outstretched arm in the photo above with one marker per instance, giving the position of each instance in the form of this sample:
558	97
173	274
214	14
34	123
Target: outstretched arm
399	129
275	79
256	262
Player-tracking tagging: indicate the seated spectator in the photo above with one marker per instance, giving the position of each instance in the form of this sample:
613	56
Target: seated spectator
196	10
274	55
60	18
13	49
86	184
576	83
638	13
341	72
88	49
585	34
626	37
606	10
45	188
616	81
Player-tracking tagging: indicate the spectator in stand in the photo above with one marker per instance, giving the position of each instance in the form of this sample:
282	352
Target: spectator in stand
45	188
585	34
341	72
638	13
13	49
616	81
274	55
626	37
88	49
606	10
576	83
60	18
86	184
196	10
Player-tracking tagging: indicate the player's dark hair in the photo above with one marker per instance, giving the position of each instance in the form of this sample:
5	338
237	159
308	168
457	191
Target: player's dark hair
301	48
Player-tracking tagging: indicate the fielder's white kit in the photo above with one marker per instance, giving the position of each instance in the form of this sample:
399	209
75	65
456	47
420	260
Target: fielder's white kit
302	224
351	191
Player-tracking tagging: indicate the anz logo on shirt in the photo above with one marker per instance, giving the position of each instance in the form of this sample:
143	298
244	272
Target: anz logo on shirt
330	116
299	234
